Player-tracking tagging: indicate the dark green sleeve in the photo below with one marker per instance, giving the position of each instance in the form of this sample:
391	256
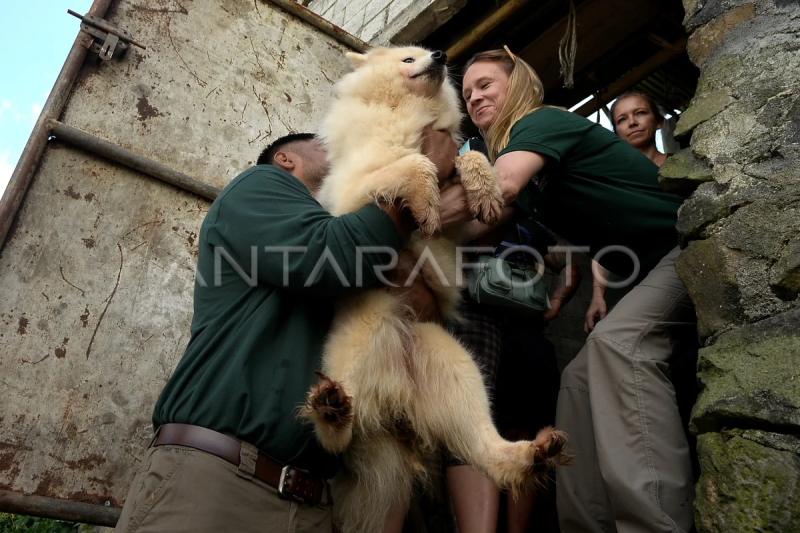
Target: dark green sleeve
550	132
271	214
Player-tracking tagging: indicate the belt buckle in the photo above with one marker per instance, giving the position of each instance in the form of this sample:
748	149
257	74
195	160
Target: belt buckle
283	482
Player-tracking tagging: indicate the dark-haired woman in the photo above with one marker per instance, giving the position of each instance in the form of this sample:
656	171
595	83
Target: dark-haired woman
636	118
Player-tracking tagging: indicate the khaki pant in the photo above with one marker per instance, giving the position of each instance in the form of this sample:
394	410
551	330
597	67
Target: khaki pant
179	489
632	471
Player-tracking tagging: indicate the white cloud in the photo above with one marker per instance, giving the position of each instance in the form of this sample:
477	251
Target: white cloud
36	108
47	76
5	105
11	109
6	169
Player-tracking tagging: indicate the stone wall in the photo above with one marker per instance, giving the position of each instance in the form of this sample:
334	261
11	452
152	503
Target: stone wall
381	22
741	263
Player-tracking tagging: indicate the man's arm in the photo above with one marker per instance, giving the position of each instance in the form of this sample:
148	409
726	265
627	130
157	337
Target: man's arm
269	220
568	277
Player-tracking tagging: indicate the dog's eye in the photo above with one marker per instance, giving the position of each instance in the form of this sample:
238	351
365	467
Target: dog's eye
408	60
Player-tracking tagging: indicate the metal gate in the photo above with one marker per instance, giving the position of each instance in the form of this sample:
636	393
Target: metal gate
101	219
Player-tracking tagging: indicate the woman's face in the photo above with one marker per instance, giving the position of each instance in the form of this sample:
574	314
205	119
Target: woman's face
635	122
485	91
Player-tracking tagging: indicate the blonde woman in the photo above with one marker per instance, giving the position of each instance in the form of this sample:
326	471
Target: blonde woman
632	470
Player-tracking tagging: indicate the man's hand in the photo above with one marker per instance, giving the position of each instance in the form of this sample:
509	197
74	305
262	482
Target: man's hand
438	146
596	312
418	296
453	207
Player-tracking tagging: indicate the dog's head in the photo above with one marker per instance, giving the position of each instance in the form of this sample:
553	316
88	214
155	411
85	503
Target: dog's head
395	72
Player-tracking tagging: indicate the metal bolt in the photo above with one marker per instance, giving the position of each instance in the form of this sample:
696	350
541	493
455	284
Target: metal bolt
107	504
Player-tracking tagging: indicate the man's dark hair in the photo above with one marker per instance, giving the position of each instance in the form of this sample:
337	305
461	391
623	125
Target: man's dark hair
267	157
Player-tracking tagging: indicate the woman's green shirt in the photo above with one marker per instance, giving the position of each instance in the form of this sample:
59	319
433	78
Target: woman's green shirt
595	190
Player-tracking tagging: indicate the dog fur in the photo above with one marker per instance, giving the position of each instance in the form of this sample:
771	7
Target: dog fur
393	389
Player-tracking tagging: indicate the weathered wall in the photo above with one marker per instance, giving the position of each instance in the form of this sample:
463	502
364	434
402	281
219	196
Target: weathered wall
741	265
381	22
96	276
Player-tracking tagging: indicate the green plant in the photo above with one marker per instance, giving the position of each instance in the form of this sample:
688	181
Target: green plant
14	523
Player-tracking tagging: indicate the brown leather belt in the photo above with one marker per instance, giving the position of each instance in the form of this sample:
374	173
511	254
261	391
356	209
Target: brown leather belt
292	483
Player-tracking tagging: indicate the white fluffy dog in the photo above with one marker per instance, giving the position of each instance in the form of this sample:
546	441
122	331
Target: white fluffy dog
394	389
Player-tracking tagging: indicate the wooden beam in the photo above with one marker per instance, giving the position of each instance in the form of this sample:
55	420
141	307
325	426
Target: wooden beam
633	77
602	26
483	28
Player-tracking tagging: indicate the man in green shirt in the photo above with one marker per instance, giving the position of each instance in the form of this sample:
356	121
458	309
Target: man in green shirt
229	452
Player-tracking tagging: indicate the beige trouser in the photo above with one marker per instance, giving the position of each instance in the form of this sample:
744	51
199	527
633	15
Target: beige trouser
632	471
179	489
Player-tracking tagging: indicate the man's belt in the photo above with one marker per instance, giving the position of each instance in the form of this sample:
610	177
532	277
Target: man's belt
292	483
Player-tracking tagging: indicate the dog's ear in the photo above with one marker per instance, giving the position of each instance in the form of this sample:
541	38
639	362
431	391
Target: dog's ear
357	60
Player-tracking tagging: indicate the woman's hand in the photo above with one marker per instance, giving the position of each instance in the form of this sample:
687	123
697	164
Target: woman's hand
438	146
597	311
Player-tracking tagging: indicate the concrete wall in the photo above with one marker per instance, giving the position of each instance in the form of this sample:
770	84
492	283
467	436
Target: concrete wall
741	264
381	22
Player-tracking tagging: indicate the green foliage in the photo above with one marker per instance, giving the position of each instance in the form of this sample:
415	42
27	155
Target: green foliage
11	523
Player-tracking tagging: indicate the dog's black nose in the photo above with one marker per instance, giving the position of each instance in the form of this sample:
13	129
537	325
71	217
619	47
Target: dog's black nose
439	56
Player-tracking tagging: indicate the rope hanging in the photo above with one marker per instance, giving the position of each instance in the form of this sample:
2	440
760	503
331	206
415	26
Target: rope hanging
568	48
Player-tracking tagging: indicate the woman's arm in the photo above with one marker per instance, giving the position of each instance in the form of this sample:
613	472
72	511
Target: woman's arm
515	170
568	277
597	307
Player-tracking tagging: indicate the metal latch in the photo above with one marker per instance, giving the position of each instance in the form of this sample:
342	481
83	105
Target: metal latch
115	40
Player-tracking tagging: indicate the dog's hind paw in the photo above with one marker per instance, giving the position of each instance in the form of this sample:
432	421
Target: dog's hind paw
328	403
331	410
549	449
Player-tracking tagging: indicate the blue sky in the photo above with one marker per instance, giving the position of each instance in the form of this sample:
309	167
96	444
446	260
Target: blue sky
35	39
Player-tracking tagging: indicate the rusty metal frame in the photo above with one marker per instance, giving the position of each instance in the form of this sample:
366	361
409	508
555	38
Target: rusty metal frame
324	25
32	505
103	148
32	154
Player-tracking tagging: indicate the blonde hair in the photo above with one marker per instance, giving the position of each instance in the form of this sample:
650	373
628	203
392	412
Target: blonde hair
525	95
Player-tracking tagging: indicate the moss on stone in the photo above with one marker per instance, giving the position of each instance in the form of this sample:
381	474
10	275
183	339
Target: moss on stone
785	275
746	485
751	376
708	270
703	109
682	173
760	229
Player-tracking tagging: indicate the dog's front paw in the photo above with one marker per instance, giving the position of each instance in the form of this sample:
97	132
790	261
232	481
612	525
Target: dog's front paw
430	224
485	206
424	199
328	404
484	197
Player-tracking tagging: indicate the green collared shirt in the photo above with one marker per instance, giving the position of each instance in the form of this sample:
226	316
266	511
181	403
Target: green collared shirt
596	190
262	310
